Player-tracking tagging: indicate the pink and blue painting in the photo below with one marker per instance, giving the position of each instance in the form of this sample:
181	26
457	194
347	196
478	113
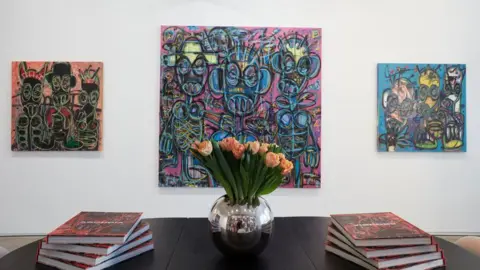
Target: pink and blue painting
251	83
422	107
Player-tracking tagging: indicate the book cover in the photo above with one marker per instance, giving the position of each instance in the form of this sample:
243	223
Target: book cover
372	252
100	224
142	226
369	226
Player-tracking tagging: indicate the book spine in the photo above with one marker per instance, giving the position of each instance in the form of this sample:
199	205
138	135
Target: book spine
38	250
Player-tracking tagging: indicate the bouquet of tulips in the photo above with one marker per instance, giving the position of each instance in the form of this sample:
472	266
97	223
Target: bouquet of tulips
245	171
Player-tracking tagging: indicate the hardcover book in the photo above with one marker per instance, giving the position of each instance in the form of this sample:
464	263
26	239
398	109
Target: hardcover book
375	252
95	259
386	262
99	249
70	265
380	229
422	265
95	228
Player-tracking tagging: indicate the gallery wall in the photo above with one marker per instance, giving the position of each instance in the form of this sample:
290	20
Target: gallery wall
437	191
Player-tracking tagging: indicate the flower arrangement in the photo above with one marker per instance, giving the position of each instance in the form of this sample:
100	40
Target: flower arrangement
245	171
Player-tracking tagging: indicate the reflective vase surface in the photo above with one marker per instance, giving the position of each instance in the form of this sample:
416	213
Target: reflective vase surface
241	230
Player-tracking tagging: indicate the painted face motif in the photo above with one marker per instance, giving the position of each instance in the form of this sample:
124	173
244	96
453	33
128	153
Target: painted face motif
295	65
453	81
398	101
89	98
241	81
429	82
61	81
31	83
191	68
220	41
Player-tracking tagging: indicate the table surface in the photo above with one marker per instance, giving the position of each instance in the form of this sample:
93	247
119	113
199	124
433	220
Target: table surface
185	244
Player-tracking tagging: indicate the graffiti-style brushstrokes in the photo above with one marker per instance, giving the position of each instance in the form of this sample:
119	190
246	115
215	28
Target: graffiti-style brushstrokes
421	107
57	106
247	82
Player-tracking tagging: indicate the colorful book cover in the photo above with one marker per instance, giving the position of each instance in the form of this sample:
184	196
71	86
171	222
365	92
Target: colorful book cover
369	226
140	226
98	224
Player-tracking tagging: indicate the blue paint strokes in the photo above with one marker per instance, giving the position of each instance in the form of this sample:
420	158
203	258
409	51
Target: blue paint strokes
247	83
421	107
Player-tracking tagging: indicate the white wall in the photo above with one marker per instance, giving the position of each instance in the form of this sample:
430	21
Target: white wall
439	192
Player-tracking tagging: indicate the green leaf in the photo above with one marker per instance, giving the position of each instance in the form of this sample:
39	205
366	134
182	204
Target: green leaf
251	172
271	187
255	168
239	184
266	178
212	165
217	173
225	168
245	180
234	165
259	181
274	178
246	166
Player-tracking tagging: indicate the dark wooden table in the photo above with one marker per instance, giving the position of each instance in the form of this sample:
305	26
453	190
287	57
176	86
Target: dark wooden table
185	244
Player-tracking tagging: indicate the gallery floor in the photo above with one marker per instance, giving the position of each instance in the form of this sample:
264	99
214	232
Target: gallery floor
13	242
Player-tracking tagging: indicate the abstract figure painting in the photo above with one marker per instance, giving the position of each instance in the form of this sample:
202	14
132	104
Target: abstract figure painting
244	82
57	106
421	107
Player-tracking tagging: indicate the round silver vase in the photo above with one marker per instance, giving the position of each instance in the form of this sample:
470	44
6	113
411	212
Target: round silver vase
241	230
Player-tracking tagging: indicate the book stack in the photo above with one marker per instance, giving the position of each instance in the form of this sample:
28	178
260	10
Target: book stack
382	241
95	240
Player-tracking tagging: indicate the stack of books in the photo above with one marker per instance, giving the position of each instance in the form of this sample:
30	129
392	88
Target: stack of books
95	240
382	241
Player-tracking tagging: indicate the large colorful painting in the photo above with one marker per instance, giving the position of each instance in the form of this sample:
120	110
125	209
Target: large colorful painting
57	106
247	82
421	107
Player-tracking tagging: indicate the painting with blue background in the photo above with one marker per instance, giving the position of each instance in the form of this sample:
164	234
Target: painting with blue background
421	107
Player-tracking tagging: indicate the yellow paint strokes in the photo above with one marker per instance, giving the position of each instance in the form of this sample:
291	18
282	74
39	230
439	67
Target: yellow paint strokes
453	144
191	50
430	102
296	52
315	33
211	58
237	90
171	59
429	78
242	65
